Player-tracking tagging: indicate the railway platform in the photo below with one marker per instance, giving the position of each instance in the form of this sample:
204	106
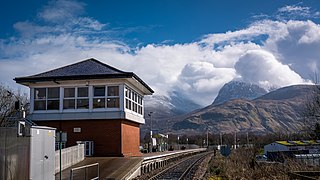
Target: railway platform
114	168
110	167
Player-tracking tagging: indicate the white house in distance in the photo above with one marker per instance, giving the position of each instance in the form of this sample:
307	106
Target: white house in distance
308	146
91	102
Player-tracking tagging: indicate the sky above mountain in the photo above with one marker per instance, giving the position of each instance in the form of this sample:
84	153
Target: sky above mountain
193	47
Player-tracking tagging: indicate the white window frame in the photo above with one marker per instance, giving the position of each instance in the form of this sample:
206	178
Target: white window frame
135	101
76	98
46	99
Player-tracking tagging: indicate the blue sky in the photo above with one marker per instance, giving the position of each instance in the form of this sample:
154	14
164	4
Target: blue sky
164	21
193	47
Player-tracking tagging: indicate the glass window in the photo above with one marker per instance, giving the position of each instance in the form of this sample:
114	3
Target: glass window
127	103
69	104
113	90
130	105
133	101
135	107
135	97
99	91
40	93
40	105
53	93
126	91
53	105
73	100
47	98
82	91
83	103
99	103
113	102
69	92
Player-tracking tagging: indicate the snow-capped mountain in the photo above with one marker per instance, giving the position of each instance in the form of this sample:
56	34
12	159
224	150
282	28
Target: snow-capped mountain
166	106
238	90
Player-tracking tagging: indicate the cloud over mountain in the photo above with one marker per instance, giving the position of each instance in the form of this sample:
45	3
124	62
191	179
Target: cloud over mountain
269	52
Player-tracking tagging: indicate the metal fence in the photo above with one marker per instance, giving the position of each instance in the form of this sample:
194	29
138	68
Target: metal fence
69	156
88	172
14	154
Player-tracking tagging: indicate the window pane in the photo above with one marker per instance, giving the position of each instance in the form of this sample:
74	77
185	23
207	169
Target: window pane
126	91
69	92
40	93
135	97
83	103
99	102
139	110
53	105
68	104
127	103
99	91
113	90
113	103
135	109
53	93
40	105
82	92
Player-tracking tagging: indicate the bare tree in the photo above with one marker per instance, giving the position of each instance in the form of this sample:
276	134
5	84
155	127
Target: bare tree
7	102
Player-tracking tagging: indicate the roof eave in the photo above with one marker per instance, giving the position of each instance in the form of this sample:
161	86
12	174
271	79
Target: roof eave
63	78
144	84
30	79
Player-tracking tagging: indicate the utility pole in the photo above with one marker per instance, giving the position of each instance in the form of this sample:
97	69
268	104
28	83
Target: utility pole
207	137
235	140
151	143
188	143
247	139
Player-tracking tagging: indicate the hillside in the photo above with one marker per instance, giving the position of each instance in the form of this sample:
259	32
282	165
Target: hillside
280	110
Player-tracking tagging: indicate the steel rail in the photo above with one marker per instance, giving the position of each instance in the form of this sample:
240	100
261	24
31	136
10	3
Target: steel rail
181	169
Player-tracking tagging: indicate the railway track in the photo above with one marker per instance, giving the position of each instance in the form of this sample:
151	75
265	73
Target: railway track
183	169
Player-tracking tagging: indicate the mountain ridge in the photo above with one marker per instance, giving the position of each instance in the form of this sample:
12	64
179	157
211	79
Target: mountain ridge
278	110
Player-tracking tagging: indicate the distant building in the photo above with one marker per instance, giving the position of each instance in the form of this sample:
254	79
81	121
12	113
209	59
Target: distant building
91	102
290	148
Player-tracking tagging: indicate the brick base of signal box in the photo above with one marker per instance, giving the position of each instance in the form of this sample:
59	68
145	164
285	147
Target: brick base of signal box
110	137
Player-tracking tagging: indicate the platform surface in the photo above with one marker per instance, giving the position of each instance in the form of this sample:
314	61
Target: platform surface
110	167
113	167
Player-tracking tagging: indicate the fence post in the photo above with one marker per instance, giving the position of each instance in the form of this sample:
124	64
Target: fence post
71	174
85	173
60	147
98	171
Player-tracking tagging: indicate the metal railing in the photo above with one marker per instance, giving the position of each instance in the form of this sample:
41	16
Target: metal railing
85	172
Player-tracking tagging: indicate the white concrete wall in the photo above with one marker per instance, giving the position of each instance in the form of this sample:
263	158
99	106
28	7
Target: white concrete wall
70	156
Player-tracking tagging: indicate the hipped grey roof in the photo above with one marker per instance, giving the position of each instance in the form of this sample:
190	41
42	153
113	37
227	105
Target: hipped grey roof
87	69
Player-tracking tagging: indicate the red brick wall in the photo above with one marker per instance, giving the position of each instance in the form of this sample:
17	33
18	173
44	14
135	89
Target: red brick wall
130	138
110	137
106	134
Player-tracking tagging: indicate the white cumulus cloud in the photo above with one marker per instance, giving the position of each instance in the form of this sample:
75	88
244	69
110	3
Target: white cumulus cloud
262	68
267	52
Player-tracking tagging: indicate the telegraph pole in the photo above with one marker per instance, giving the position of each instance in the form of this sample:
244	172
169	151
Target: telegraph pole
151	145
207	137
